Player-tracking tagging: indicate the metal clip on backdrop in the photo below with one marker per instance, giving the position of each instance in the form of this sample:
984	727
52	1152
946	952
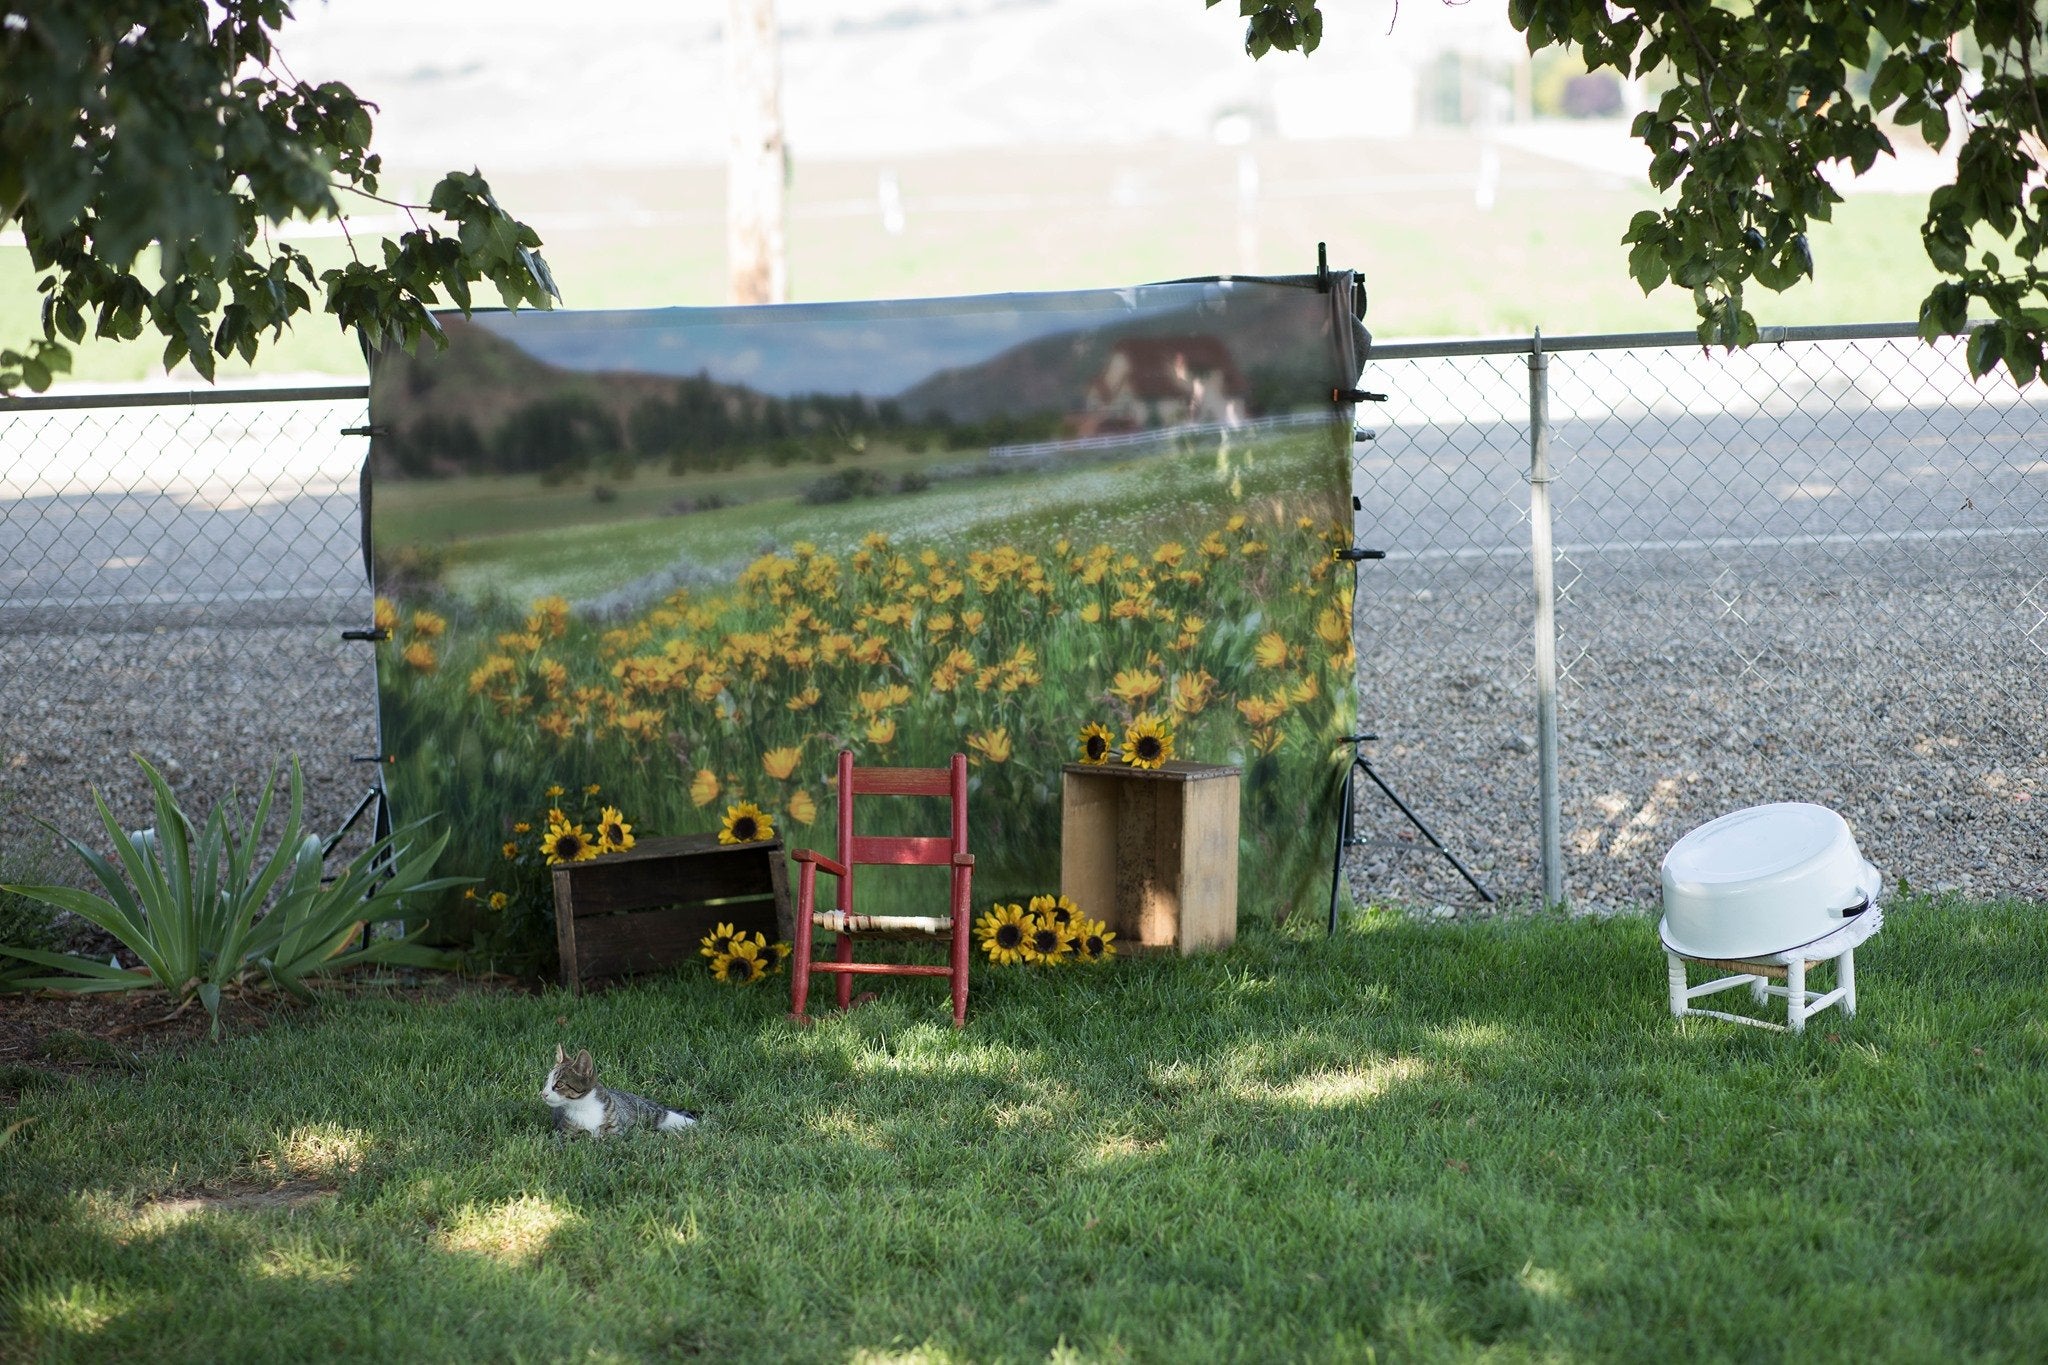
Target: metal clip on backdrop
1346	832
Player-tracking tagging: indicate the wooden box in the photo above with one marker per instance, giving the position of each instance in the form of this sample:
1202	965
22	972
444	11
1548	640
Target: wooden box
649	908
1152	852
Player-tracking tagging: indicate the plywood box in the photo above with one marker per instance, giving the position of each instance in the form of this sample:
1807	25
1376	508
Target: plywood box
649	908
1153	852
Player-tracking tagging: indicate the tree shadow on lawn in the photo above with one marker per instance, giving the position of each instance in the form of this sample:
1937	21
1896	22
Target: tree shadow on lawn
1429	1139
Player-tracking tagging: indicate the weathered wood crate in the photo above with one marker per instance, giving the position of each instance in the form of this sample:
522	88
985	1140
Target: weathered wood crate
1153	853
649	908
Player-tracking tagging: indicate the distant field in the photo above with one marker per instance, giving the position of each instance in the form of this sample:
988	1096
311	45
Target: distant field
1547	254
517	538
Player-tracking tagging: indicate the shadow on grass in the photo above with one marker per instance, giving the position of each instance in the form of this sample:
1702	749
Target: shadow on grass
1424	1140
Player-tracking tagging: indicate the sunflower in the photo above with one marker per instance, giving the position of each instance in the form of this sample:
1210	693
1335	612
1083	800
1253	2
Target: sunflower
567	844
384	615
420	655
499	900
780	763
1044	941
882	731
1002	932
1148	743
746	823
614	835
740	967
1096	743
1058	909
704	787
509	849
994	746
718	942
802	808
1271	650
1094	941
428	624
1134	685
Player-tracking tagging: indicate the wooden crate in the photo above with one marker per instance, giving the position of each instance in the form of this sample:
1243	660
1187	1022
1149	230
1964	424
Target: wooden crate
648	909
1153	852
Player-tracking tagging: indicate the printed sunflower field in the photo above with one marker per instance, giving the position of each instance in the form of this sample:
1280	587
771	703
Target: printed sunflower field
1236	642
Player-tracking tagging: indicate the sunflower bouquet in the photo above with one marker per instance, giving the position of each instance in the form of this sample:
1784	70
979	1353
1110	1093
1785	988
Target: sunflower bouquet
565	828
741	959
1049	932
1147	742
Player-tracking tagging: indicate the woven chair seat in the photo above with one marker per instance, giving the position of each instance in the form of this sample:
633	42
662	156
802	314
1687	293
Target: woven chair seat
839	922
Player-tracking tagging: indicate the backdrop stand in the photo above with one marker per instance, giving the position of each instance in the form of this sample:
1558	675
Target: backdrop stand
1346	822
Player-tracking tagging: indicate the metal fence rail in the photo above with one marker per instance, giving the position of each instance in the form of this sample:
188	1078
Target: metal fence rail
1812	570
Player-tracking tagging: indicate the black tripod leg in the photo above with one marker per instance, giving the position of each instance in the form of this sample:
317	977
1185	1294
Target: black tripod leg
1343	842
1416	821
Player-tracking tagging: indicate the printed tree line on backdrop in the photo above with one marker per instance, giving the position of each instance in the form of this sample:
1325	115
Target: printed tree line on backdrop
704	427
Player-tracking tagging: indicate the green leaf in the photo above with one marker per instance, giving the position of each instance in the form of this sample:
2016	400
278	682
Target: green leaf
1985	350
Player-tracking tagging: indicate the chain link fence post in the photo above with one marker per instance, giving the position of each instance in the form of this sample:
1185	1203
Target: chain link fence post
1542	562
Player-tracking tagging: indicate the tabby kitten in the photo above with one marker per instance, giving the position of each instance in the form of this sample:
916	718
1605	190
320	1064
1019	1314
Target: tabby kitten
582	1105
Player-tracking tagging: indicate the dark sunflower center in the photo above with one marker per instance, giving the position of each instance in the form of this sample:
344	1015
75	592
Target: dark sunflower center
1095	945
1045	940
1060	915
740	969
1008	936
1148	747
744	827
568	846
1097	746
614	833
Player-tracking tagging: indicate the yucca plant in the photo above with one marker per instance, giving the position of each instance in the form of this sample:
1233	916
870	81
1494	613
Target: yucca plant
201	913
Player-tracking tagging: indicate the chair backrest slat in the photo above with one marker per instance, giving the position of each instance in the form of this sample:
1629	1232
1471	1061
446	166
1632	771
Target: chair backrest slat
902	782
902	851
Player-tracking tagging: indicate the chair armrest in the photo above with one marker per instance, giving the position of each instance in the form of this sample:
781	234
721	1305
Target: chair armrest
963	860
805	855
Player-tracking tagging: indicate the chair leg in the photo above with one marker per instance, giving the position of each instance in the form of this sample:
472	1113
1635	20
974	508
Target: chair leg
844	953
800	966
960	955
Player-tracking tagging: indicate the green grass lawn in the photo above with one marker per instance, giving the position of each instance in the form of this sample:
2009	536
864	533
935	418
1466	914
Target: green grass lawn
1412	1142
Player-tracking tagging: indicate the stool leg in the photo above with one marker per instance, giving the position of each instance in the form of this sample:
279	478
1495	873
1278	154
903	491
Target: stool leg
1676	972
1845	968
1795	994
1759	988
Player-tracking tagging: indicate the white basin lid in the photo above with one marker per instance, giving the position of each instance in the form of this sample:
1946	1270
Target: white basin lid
1763	880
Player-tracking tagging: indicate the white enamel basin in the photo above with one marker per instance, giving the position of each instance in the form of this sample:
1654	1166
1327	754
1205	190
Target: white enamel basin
1764	880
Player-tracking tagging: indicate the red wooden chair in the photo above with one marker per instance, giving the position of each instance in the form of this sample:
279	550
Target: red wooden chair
854	850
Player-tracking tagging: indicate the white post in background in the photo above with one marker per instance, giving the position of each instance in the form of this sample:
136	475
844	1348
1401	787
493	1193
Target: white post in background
757	269
1546	623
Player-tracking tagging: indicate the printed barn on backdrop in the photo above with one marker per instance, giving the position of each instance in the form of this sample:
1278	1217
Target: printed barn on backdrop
685	555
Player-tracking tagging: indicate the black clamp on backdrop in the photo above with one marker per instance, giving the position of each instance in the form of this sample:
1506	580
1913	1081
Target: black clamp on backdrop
1342	396
1353	556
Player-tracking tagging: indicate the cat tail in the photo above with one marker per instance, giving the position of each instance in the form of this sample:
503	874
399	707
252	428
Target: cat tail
675	1120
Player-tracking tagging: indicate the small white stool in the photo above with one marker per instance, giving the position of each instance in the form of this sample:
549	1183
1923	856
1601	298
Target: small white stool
1800	1003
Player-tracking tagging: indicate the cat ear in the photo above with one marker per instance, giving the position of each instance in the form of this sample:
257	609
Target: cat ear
583	1061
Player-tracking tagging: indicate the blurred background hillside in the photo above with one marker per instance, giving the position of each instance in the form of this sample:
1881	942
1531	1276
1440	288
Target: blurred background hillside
972	146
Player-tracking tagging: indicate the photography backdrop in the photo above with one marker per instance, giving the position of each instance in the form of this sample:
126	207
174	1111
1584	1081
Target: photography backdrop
683	556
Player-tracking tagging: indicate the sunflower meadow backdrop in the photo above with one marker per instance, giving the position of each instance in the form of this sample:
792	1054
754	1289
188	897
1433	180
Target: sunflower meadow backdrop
639	569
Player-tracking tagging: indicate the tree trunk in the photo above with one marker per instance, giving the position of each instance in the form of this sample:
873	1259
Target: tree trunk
757	271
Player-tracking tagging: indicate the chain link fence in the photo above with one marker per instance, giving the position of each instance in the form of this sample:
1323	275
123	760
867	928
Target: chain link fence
1814	570
175	572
